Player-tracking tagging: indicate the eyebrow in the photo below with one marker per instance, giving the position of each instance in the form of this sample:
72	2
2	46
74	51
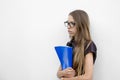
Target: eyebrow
71	21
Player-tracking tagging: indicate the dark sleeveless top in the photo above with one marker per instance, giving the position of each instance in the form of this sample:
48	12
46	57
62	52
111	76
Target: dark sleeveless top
90	49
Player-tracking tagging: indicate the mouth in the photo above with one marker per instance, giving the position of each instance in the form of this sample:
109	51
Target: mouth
70	32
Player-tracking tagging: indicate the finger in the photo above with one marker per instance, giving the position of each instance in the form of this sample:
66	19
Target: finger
69	68
62	78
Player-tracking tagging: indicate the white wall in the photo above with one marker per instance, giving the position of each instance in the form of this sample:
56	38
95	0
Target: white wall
29	30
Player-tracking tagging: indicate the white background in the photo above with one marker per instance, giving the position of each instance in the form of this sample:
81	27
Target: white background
29	30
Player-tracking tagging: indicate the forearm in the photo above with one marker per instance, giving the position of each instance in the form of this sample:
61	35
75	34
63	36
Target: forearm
60	74
84	77
81	77
66	73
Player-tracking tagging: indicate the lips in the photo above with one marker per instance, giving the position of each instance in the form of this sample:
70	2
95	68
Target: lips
69	31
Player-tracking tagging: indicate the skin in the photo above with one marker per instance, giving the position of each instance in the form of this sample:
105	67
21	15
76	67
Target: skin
69	73
71	30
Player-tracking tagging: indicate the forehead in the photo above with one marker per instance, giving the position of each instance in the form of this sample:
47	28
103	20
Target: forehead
70	18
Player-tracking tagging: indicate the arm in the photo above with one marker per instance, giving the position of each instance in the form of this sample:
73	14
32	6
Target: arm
88	69
88	66
66	73
59	72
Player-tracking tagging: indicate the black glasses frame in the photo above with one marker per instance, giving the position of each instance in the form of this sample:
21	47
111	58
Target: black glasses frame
69	24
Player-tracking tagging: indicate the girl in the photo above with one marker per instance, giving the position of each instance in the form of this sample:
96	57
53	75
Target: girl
84	49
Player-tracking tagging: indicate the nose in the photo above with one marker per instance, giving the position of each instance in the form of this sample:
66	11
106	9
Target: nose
68	27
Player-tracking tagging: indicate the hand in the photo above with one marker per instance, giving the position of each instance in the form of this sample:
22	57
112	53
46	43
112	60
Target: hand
68	72
68	78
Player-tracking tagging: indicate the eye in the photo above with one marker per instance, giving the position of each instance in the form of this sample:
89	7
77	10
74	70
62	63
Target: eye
69	24
73	23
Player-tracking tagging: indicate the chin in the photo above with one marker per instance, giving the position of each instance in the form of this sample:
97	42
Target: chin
70	35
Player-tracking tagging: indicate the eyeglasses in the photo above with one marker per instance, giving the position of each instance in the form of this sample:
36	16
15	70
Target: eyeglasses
69	24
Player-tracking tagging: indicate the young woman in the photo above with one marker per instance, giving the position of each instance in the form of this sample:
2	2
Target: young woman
84	49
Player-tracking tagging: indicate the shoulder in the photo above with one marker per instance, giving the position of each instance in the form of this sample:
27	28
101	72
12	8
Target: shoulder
91	48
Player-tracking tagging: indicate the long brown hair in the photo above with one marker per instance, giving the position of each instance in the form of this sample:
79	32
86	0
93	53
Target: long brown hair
81	37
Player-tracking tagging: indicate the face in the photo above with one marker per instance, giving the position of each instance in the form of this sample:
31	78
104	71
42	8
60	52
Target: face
71	26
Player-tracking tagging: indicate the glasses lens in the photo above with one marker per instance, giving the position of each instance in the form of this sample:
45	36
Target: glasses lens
70	24
66	24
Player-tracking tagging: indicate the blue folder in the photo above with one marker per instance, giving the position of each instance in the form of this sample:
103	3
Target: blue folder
65	56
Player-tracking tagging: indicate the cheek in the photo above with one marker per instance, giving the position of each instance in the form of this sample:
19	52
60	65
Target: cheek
75	31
